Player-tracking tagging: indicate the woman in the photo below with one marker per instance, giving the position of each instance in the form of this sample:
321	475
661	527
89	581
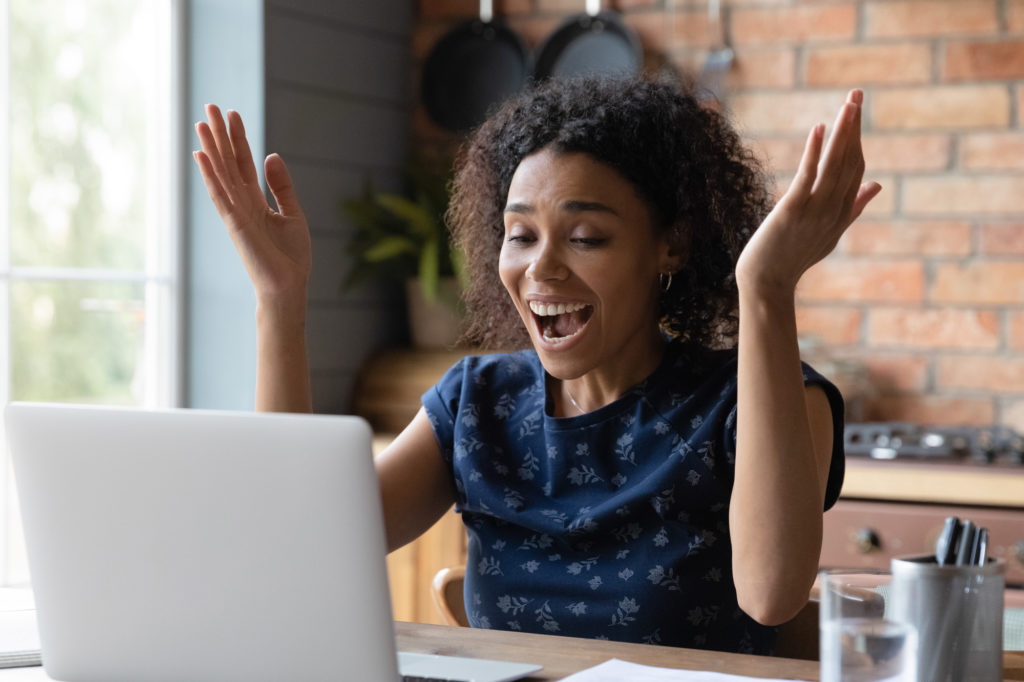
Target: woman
652	470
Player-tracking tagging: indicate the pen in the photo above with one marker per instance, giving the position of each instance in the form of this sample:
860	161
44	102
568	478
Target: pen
945	546
982	547
964	553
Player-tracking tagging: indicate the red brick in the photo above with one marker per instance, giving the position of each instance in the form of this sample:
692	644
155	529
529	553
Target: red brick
959	195
930	18
691	28
1015	15
992	151
897	373
988	282
1012	415
779	154
532	29
889	152
899	152
931	409
1015	331
839	279
432	9
832	325
800	24
976	61
426	35
559	6
916	328
907	238
1002	239
653	29
858	65
940	107
992	374
785	112
763	68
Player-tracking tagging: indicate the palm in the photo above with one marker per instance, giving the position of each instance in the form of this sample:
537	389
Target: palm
820	204
274	245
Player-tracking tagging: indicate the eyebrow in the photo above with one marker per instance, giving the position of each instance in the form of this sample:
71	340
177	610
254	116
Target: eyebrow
571	206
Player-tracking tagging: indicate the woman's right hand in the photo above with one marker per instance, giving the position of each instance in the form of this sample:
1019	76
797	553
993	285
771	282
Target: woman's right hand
274	245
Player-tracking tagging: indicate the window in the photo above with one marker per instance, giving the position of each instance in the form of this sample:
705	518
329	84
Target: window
88	239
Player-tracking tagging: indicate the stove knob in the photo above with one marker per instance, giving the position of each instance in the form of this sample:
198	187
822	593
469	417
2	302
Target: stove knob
866	541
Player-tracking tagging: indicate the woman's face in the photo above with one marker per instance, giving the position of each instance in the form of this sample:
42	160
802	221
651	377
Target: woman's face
580	259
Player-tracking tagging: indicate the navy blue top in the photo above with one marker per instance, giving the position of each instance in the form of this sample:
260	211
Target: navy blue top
612	524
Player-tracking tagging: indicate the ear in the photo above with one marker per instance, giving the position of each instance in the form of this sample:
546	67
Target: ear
674	249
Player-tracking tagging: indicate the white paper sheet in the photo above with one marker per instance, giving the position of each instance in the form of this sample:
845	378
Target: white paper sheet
614	670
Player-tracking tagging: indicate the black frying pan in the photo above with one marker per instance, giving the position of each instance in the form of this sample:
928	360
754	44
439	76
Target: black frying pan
473	69
592	43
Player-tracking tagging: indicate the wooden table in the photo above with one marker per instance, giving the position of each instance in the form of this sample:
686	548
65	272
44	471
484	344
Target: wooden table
562	656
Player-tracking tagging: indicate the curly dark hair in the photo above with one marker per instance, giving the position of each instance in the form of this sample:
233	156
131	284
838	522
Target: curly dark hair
704	188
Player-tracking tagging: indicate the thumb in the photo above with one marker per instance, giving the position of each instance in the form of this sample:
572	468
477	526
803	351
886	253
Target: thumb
280	183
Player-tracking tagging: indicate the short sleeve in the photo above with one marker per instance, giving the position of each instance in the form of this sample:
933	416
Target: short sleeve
837	469
441	403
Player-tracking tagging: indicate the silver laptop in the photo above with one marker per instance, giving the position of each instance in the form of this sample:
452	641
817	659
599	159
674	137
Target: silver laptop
209	546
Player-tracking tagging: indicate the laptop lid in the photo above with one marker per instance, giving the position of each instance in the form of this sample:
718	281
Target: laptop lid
203	545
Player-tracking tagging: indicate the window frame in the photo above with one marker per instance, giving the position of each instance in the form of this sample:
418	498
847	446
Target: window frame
163	273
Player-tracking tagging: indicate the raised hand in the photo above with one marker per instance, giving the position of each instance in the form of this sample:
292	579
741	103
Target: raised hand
274	245
825	197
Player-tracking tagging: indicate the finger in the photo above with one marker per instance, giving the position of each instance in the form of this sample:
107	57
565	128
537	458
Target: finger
279	180
215	162
240	145
866	192
220	137
807	172
836	148
220	199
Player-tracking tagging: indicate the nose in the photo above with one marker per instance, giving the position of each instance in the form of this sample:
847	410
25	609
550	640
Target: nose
546	264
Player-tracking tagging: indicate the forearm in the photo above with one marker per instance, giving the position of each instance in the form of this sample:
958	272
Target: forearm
776	505
282	369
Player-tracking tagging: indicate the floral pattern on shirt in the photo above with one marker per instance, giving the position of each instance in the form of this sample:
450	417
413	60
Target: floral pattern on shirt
612	524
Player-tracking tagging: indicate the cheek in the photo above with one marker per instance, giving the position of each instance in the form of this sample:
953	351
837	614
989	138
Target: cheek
507	271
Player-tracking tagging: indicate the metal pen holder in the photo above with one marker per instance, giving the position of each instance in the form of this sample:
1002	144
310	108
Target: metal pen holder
958	613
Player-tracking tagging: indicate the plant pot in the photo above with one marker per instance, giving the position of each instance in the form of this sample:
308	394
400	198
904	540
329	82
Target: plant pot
438	323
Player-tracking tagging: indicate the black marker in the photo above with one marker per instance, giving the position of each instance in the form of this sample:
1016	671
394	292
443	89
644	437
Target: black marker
945	546
964	554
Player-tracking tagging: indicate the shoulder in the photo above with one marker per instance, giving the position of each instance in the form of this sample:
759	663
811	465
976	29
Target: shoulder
490	374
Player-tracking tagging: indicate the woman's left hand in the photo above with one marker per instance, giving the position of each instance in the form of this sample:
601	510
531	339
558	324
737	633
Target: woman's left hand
825	197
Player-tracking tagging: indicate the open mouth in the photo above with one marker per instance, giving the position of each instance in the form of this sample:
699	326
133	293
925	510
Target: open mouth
560	322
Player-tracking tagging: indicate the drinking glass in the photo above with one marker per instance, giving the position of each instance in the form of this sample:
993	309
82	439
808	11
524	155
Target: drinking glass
860	641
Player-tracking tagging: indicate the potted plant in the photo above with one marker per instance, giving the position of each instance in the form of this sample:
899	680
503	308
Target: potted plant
403	237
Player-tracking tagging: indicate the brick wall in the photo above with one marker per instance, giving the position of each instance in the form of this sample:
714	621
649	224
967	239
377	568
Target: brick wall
927	289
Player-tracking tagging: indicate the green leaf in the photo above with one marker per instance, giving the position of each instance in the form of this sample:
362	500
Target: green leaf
429	270
419	218
388	248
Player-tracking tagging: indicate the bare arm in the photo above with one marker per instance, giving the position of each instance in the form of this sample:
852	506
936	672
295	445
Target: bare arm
784	430
416	486
275	249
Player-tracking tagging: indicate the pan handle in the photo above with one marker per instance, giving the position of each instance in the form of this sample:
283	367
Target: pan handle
487	11
715	19
593	7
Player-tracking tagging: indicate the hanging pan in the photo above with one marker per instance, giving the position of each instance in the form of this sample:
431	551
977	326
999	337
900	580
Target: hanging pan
720	58
595	43
473	69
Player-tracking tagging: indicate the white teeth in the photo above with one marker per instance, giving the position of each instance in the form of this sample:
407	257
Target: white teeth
558	339
550	309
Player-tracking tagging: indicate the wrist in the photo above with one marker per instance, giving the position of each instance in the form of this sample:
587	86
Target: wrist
282	313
